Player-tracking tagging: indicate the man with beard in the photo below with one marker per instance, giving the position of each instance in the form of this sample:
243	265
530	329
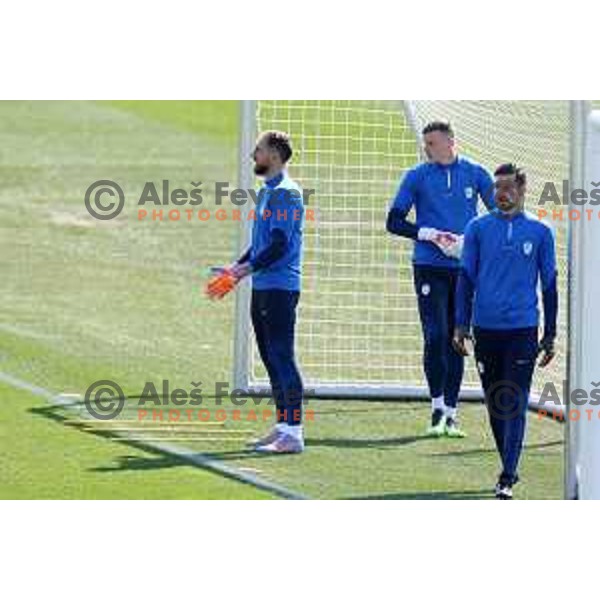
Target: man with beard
274	260
507	254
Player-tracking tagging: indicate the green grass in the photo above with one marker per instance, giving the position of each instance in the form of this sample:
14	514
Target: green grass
43	459
84	300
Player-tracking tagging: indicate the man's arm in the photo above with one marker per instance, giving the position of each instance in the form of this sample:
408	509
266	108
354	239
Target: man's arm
548	278
397	223
465	290
278	245
401	206
284	208
245	257
485	188
283	205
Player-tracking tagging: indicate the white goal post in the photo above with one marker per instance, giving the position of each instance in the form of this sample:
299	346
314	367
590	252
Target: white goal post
583	434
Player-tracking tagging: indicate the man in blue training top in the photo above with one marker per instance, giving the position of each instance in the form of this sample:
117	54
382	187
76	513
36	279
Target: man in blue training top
505	255
275	261
445	192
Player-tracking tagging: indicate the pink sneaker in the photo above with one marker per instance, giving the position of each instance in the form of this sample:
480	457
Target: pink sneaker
267	439
283	444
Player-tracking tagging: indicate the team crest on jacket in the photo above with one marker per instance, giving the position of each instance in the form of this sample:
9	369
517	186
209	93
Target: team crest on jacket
425	289
468	192
527	248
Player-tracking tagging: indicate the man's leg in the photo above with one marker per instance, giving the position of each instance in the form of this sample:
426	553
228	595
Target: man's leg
432	299
488	355
279	344
281	339
455	365
519	365
259	313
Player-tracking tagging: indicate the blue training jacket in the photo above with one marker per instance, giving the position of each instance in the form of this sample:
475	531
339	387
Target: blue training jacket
504	259
280	207
445	197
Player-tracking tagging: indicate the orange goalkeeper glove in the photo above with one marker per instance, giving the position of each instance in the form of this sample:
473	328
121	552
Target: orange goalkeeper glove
220	284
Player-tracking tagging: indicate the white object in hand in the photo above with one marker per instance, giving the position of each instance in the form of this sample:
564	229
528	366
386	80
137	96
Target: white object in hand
428	234
451	245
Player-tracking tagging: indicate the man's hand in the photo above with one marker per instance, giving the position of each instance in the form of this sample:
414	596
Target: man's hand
221	283
546	349
428	234
239	271
461	335
449	243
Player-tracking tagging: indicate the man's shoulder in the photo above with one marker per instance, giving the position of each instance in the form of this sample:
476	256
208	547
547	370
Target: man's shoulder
419	174
486	219
288	193
469	164
537	224
287	183
421	168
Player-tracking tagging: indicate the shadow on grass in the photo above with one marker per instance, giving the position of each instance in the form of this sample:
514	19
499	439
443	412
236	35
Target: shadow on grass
156	460
476	451
162	460
483	494
366	443
140	463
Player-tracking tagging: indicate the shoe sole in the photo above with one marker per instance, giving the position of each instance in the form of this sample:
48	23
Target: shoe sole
455	435
436	433
261	450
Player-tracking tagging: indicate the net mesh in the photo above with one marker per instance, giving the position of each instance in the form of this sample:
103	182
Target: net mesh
358	321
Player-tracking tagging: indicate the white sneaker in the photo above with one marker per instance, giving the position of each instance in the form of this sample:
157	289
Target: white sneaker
266	439
283	444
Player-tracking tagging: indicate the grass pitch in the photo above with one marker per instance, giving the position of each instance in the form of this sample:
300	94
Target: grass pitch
85	300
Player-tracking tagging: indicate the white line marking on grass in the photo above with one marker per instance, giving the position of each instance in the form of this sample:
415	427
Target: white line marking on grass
186	455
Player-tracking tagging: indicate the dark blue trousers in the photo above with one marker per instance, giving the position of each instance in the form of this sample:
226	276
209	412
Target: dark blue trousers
444	367
274	321
506	361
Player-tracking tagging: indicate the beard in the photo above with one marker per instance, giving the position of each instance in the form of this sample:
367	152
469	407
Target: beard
260	169
509	208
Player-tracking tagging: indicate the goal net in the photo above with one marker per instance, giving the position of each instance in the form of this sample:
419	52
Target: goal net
358	333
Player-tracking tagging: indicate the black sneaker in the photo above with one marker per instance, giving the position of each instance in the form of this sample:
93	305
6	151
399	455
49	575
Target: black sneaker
503	491
438	426
512	481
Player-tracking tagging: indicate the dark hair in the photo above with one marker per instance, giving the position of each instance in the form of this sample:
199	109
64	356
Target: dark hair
279	141
442	126
512	169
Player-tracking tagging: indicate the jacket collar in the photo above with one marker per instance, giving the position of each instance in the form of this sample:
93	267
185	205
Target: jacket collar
275	181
